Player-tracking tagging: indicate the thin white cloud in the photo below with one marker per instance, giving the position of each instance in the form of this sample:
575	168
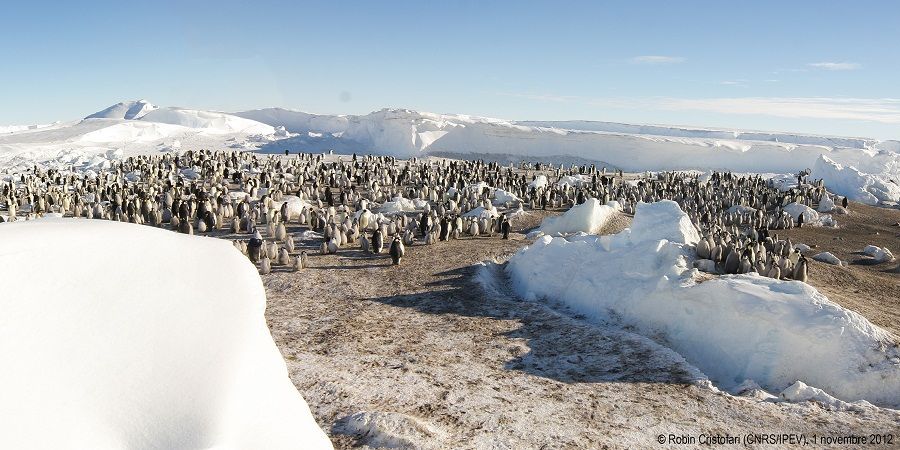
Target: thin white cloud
882	110
740	83
657	59
540	97
835	65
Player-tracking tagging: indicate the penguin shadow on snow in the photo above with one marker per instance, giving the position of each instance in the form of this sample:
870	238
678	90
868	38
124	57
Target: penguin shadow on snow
556	345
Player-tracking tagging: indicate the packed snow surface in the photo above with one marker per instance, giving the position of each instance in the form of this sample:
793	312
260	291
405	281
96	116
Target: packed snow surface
588	217
733	328
118	336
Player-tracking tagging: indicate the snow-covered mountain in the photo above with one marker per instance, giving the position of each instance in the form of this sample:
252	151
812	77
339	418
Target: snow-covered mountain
139	126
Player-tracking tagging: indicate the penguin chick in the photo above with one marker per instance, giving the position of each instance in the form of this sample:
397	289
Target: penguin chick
397	250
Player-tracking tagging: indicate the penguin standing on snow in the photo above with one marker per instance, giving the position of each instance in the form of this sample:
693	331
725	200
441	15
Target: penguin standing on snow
397	250
254	247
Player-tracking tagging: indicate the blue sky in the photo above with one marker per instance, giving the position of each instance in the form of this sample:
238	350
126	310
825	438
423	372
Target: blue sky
808	66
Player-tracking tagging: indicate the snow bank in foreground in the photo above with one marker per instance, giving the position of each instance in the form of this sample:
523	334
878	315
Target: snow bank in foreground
733	328
854	184
122	336
588	217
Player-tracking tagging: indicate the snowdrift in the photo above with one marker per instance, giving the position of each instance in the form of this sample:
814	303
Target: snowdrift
117	336
733	328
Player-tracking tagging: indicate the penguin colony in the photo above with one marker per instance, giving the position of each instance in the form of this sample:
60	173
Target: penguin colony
218	192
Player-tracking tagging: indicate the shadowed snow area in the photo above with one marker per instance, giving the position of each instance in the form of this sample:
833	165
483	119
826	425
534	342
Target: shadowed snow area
118	336
737	329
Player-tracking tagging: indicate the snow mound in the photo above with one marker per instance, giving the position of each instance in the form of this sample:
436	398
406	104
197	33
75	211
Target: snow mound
796	209
589	217
130	110
662	220
482	212
116	335
741	209
574	180
208	121
733	328
879	254
810	216
539	182
854	184
400	205
502	197
295	206
800	392
826	203
828	258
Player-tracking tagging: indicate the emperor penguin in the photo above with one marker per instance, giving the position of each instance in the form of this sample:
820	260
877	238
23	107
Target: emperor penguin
186	227
254	247
801	272
289	243
280	232
304	260
265	266
377	241
445	229
504	228
774	272
732	262
397	250
284	258
364	244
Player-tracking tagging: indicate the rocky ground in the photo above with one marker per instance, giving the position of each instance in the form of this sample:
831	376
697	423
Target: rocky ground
437	353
